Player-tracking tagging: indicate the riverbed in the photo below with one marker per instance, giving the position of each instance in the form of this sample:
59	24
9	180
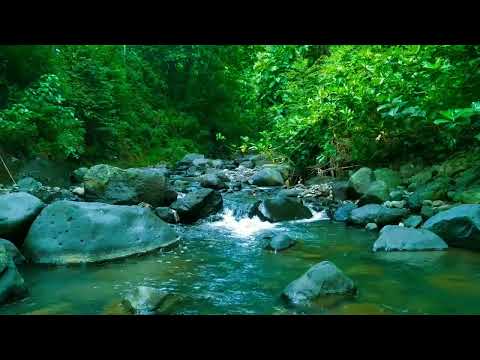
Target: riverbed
221	267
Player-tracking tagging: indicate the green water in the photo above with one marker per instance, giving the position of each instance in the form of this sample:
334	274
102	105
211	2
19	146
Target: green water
219	271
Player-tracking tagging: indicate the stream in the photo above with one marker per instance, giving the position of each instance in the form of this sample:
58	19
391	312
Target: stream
221	267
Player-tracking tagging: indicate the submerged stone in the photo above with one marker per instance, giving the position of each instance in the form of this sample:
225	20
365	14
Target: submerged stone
399	238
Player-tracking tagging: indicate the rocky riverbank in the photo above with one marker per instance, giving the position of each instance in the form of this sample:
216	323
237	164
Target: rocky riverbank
108	213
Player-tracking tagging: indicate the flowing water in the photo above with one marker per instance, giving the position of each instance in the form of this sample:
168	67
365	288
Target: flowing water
221	268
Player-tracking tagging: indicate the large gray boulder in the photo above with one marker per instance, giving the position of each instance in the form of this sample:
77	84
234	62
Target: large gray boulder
459	226
12	285
146	300
321	279
197	204
268	177
359	182
112	185
17	212
13	252
73	232
399	238
378	214
281	208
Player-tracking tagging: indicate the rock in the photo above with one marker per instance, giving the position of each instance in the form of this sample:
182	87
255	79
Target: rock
12	285
398	238
188	159
292	192
267	177
413	221
167	214
376	193
321	279
80	191
427	211
51	172
78	175
12	251
148	301
281	208
318	180
112	185
182	185
395	204
194	171
77	232
29	184
283	169
49	195
389	177
344	211
17	212
280	242
212	181
201	163
459	226
378	214
438	203
359	182
340	190
435	190
247	164
371	227
396	195
198	204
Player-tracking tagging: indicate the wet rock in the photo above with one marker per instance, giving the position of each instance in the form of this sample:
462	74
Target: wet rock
459	226
198	204
247	164
12	285
77	232
376	193
318	180
146	300
359	182
340	190
281	208
396	195
378	214
427	211
280	242
321	279
344	211
188	160
80	191
398	238
371	227
167	215
13	252
181	185
29	184
194	171
293	192
78	175
413	221
212	181
17	212
267	177
112	185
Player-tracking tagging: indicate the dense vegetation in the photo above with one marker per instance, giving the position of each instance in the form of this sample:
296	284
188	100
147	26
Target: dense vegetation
325	106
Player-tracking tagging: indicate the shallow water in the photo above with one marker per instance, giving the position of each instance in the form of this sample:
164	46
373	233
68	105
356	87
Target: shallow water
221	268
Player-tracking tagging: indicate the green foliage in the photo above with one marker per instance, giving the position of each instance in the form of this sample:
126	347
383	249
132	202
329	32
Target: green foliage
365	103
